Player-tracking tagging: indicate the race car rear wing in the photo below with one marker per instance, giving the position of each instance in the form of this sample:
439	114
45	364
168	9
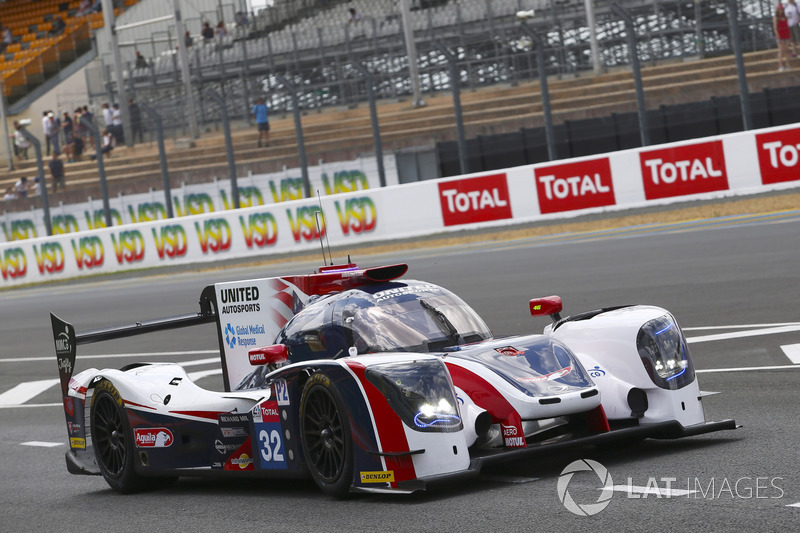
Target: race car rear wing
66	339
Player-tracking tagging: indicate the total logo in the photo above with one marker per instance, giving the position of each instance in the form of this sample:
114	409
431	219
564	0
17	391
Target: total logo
778	156
572	186
684	170
230	336
152	437
475	200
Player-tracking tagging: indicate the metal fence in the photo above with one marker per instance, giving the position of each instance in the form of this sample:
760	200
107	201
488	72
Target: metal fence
491	47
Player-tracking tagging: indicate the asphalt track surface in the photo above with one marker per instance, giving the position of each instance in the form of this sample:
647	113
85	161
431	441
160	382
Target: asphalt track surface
733	283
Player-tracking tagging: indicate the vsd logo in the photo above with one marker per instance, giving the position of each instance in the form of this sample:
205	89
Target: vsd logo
214	235
13	263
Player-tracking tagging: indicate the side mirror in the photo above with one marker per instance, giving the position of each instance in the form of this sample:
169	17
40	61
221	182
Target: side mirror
275	354
547	305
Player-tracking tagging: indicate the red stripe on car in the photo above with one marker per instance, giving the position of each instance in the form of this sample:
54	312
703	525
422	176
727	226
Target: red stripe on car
390	428
485	395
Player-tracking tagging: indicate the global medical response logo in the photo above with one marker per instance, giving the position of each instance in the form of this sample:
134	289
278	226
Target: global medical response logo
230	336
152	437
573	186
778	156
684	170
475	200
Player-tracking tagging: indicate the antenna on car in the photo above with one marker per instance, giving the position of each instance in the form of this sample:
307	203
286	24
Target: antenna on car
317	216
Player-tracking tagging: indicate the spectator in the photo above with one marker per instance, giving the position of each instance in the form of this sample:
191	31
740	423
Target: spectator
355	16
242	22
37	185
20	142
108	144
8	38
260	110
141	62
74	149
136	121
207	33
45	127
58	26
21	187
187	39
87	117
67	127
782	33
78	129
221	32
108	116
793	17
57	172
51	131
84	8
116	122
10	195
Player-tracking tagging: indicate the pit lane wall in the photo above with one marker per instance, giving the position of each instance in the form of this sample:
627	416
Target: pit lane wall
715	167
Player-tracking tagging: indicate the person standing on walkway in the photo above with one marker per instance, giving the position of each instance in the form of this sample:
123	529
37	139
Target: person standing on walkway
136	121
782	33
793	16
260	110
57	172
52	131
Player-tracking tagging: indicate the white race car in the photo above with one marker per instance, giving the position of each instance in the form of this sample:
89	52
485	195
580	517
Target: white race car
366	382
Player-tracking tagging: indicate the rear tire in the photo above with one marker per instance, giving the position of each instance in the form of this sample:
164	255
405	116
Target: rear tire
112	439
326	436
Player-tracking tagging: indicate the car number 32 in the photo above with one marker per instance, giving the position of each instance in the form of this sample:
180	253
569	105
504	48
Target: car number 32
271	448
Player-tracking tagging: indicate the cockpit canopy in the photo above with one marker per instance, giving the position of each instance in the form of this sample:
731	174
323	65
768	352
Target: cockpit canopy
408	316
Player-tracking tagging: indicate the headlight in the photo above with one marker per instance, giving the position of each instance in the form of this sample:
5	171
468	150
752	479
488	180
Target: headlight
664	353
419	392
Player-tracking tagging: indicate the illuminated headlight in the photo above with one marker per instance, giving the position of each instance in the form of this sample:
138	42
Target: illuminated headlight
419	392
664	353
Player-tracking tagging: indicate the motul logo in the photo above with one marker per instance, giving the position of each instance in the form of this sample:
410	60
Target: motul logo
683	170
778	156
257	358
475	200
152	437
573	186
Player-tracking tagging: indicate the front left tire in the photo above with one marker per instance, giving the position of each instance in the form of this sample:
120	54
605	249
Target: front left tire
326	436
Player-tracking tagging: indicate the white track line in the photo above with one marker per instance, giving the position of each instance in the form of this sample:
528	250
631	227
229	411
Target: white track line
25	391
792	351
742	334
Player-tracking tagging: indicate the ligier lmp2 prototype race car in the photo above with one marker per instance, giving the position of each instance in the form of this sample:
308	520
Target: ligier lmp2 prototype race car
366	382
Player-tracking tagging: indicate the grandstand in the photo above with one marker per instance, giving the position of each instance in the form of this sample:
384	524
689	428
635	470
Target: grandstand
311	43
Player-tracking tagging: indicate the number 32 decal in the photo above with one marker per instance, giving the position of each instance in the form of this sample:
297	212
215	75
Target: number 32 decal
271	446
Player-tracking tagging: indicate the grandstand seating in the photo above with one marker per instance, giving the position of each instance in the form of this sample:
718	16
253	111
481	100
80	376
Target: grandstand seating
343	134
26	61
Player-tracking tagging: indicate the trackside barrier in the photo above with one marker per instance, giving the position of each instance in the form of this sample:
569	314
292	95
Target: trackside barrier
195	199
715	167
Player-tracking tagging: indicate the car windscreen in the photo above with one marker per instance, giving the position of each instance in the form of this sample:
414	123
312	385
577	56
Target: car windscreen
417	317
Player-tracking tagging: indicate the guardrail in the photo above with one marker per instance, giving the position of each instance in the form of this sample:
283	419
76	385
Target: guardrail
714	167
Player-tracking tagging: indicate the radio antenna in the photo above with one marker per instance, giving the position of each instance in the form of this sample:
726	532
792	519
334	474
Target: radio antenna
317	216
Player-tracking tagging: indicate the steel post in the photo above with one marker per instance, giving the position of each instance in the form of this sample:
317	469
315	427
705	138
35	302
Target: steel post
226	124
